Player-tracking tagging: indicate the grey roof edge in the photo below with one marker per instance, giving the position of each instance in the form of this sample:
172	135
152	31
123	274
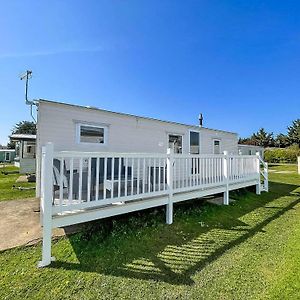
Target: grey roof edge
23	136
131	115
248	145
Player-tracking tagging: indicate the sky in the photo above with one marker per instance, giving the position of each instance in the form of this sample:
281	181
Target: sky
237	62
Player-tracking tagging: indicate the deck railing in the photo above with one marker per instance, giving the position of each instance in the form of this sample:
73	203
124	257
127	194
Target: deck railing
72	182
88	179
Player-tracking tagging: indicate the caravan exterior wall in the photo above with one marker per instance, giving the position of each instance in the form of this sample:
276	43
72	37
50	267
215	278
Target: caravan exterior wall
58	123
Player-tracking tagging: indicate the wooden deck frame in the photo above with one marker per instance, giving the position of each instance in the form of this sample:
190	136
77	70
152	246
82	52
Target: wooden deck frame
187	177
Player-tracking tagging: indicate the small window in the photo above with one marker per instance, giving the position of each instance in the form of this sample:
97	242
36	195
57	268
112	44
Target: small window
194	142
217	147
7	156
250	152
175	143
91	134
29	148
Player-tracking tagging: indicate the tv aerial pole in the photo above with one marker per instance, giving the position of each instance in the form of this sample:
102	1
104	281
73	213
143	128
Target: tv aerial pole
26	76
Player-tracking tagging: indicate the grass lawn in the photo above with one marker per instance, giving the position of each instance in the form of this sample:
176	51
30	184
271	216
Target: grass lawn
248	250
6	183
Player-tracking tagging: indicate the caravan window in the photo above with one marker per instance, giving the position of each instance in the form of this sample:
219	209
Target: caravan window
175	143
91	134
217	147
7	156
194	142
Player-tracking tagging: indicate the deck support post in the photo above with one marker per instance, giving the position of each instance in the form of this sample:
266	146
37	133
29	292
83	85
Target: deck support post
46	203
258	186
169	206
266	178
226	177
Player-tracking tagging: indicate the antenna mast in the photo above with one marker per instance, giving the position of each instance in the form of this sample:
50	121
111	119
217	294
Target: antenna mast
27	75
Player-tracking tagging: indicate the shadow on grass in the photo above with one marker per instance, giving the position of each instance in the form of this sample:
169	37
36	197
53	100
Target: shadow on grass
173	254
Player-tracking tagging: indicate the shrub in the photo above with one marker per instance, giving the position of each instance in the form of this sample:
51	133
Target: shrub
282	155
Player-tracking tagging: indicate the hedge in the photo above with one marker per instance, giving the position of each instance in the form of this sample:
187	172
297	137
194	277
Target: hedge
282	155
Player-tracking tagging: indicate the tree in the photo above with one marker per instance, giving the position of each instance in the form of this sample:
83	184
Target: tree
246	141
23	127
282	141
262	138
294	133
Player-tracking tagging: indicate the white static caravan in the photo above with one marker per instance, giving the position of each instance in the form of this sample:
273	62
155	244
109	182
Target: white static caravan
250	150
25	152
93	164
87	129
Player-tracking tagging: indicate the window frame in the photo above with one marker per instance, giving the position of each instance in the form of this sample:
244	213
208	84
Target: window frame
199	143
78	135
220	146
9	156
178	134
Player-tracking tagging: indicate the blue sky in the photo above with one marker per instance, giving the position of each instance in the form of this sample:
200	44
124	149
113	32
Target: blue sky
237	62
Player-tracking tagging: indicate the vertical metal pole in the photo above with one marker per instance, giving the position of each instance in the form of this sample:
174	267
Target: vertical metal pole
226	177
47	205
169	206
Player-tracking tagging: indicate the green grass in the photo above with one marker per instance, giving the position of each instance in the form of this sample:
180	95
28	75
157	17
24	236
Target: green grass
6	183
248	250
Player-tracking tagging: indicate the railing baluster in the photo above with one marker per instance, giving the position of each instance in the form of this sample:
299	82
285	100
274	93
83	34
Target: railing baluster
179	172
149	174
154	174
80	180
138	177
61	182
144	175
194	170
212	171
174	173
126	176
104	178
221	170
112	177
243	161
164	173
119	178
191	171
186	173
206	171
97	178
89	180
159	173
198	171
182	172
216	169
71	180
132	176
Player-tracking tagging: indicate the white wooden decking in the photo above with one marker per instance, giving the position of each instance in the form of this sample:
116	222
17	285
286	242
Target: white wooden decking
78	187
